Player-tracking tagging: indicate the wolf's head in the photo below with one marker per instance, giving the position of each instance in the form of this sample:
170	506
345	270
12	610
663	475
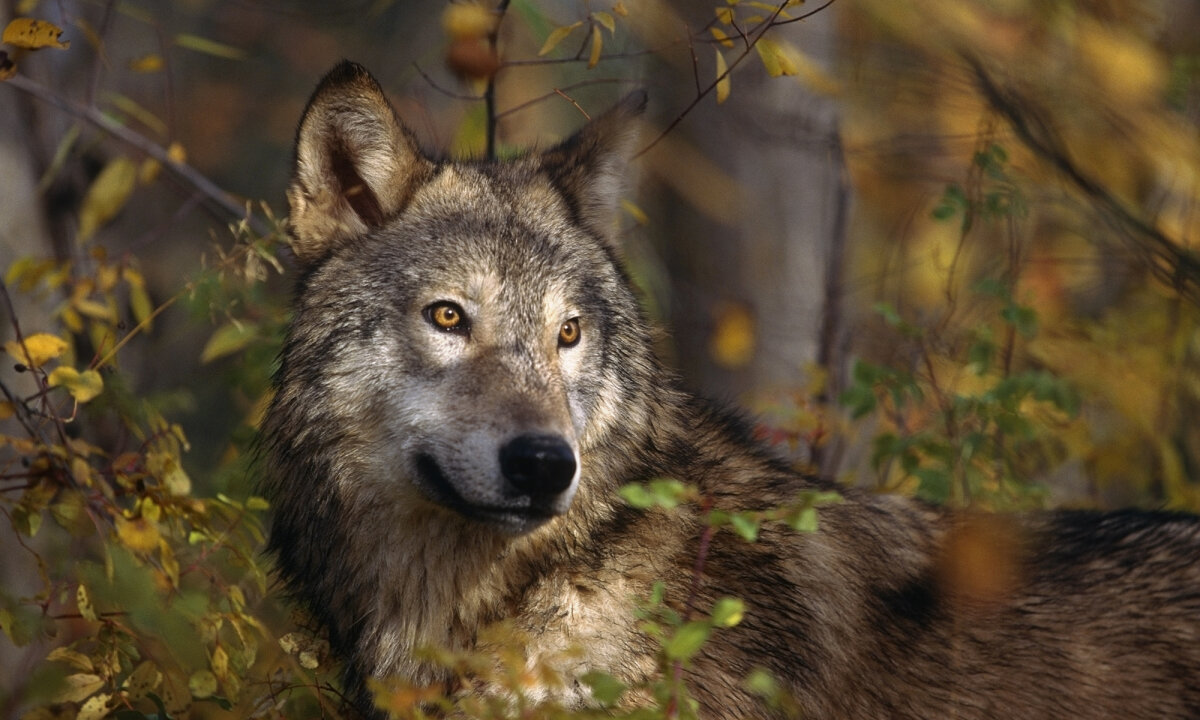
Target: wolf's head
464	338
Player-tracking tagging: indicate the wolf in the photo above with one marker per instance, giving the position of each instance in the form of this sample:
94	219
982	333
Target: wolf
468	380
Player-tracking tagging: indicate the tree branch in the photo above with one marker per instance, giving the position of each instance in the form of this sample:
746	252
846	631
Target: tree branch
217	199
489	95
1036	132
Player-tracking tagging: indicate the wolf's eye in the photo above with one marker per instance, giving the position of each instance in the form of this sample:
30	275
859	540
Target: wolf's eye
568	333
447	316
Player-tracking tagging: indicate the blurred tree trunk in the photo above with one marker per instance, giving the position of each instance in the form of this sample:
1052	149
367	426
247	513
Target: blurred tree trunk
776	260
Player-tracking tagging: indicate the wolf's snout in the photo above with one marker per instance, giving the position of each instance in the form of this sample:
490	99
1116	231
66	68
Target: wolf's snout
538	464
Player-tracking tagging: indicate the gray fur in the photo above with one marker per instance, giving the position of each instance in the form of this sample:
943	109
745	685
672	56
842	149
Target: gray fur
395	523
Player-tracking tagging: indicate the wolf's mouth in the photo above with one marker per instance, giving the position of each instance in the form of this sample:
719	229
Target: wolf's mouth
519	518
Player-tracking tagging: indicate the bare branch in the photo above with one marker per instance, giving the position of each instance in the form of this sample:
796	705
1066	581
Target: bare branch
557	91
758	34
1174	265
217	199
446	91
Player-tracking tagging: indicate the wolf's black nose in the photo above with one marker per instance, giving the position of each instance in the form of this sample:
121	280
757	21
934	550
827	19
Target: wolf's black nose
538	464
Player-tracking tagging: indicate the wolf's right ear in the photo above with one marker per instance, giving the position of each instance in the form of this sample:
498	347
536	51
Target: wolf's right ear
355	163
589	168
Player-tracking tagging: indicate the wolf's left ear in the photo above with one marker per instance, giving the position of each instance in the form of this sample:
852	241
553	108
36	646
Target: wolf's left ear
355	163
589	168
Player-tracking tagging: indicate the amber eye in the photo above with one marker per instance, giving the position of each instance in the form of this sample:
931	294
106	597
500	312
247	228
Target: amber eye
568	333
447	316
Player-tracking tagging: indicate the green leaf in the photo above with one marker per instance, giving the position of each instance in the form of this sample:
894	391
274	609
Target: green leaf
228	339
804	519
728	611
762	683
636	495
745	526
687	640
1023	319
606	689
934	484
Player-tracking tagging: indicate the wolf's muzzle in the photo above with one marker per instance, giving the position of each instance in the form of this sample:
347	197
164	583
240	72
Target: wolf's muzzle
538	465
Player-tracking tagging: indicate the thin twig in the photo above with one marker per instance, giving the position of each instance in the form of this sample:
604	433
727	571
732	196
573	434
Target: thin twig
217	198
446	91
489	95
101	33
571	100
557	91
695	60
806	15
762	30
1037	134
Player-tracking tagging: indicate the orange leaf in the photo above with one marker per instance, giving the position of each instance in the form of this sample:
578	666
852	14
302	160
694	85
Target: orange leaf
34	34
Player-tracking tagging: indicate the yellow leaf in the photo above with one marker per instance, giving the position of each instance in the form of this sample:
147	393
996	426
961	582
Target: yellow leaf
721	36
41	348
106	196
95	708
468	21
620	9
220	662
149	509
81	472
175	694
732	343
170	566
148	172
139	535
93	309
607	21
7	410
84	601
75	659
143	679
71	319
202	684
139	299
725	15
107	277
228	339
597	44
722	79
33	34
151	63
209	47
637	213
176	153
83	386
79	687
169	472
132	108
556	36
771	58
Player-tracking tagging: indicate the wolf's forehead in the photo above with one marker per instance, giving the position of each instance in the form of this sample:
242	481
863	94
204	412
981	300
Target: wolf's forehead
514	192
